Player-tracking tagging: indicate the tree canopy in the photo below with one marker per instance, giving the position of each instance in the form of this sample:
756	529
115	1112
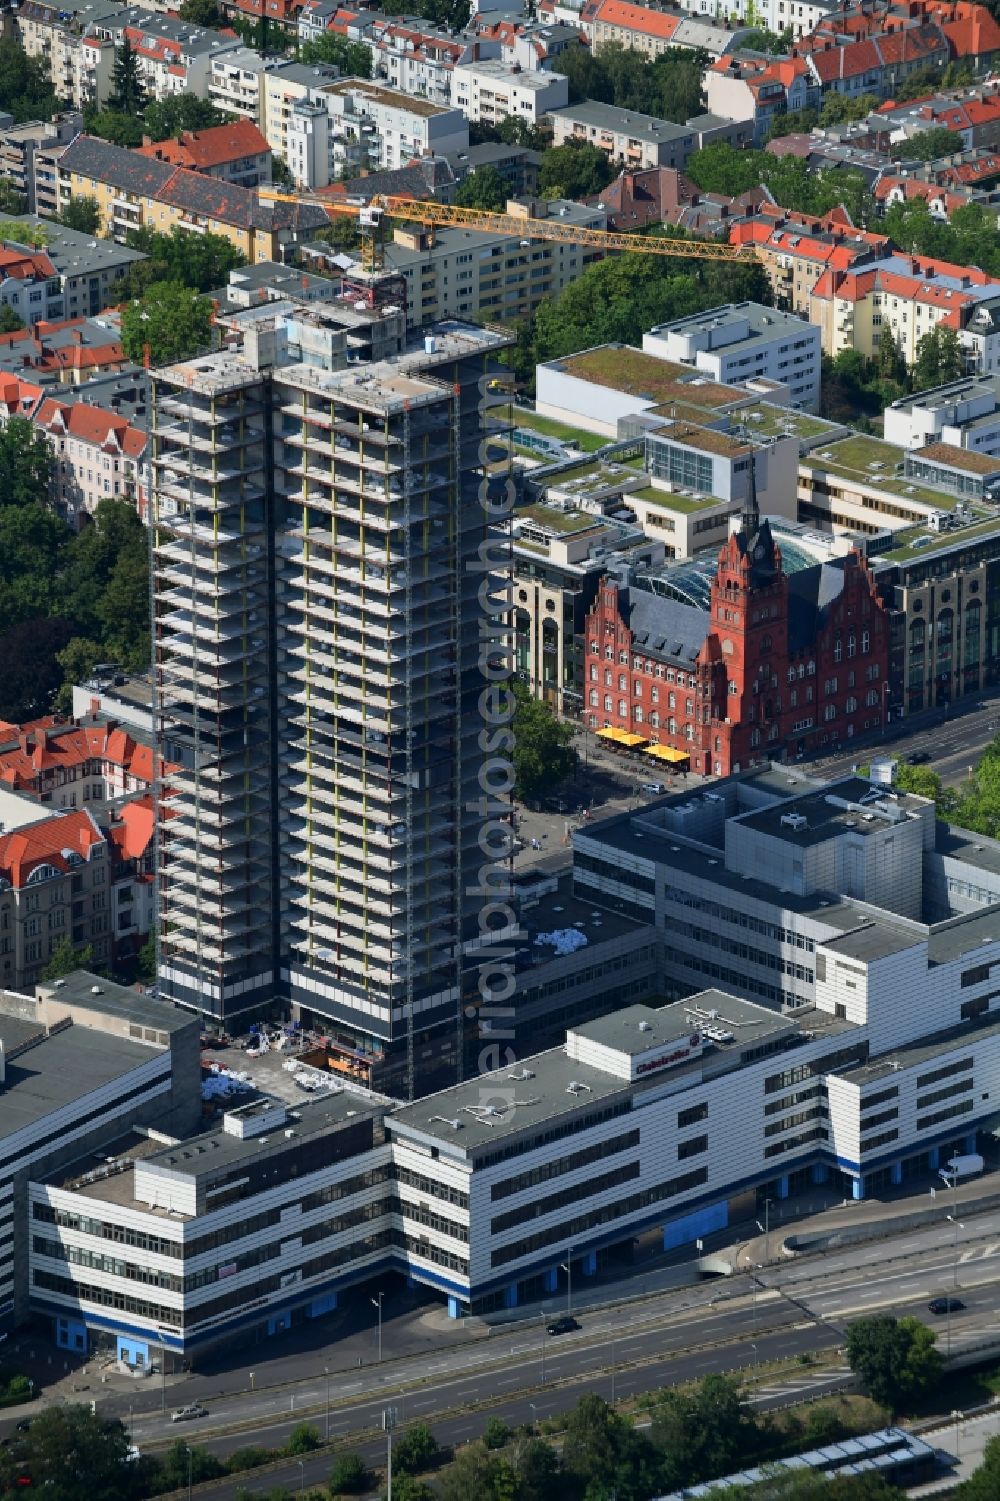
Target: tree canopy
67	1442
939	358
668	86
128	91
486	189
82	214
26	90
929	145
896	1359
166	118
199	263
352	58
170	320
543	754
722	168
576	170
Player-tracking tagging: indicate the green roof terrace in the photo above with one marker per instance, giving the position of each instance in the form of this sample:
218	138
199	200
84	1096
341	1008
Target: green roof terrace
874	463
553	520
548	427
684	504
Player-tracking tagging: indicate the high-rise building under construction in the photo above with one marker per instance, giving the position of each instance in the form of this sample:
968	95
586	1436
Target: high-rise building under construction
320	507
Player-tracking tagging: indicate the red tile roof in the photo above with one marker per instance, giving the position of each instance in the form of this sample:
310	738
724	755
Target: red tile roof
132	831
47	843
89	424
51	747
201	150
636	18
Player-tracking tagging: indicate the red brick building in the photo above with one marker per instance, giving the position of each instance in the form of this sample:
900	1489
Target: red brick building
776	667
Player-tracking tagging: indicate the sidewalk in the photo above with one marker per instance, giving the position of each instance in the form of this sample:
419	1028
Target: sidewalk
960	1443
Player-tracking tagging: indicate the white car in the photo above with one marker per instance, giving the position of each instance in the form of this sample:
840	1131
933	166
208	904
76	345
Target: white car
181	1414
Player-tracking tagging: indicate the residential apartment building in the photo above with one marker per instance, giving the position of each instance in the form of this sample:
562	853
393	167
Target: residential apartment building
80	63
457	273
489	91
906	295
103	1061
416	57
174	57
236	82
56	887
650	31
760	90
795	249
84	272
634	139
876	63
97	455
67	353
136	192
234	153
20	143
401	127
79	765
282	89
742	340
317	845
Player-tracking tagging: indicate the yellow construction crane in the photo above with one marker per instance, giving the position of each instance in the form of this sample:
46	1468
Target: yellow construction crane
523	226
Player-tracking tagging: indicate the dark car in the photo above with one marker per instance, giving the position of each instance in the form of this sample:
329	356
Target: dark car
946	1305
564	1325
918	758
23	1425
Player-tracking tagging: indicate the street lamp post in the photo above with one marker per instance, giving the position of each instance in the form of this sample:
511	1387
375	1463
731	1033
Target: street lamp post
326	1373
613	1365
544	1333
765	1229
534	1414
567	1267
388	1423
302	1476
190	1457
954	1220
377	1303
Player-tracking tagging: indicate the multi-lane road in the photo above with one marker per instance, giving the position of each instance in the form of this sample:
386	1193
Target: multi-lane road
521	1374
954	742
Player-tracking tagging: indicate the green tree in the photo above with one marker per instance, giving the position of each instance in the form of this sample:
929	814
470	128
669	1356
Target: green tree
352	58
11	201
984	1482
170	320
128	92
537	1468
939	358
891	365
65	959
147	967
838	109
199	262
603	1453
25	464
67	1442
166	118
543	754
496	1433
302	1439
895	1358
486	189
10	321
173	1466
349	1475
929	145
114	126
77	660
703	1433
29	673
481	1472
576	170
83	214
923	781
201	13
26	89
408	1488
416	1450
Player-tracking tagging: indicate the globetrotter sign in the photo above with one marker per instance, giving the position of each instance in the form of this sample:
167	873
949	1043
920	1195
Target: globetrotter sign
678	1053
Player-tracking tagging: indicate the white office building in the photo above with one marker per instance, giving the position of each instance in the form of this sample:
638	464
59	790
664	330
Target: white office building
742	341
877	924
